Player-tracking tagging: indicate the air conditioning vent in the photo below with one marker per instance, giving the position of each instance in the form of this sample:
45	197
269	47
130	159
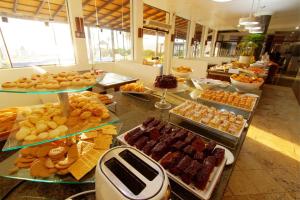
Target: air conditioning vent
157	24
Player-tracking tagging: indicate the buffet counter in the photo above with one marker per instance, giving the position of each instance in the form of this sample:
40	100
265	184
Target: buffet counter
132	110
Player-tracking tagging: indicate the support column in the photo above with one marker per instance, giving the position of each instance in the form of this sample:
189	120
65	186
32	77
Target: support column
213	43
203	40
169	45
191	33
137	9
74	9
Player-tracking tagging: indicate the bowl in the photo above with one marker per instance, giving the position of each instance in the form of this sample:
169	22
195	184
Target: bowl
242	86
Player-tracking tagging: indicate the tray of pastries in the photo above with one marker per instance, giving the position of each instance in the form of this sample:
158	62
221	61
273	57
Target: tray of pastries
135	88
106	99
70	81
222	122
241	101
45	123
189	159
70	160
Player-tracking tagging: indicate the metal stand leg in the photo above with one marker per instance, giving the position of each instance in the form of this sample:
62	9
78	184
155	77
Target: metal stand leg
64	103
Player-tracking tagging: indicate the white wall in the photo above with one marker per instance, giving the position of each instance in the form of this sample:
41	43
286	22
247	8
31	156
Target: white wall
199	66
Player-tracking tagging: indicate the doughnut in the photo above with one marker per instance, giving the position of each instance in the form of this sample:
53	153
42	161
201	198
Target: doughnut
62	74
8	84
65	84
77	82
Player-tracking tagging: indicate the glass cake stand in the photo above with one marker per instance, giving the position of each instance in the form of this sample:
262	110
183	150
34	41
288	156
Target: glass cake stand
163	104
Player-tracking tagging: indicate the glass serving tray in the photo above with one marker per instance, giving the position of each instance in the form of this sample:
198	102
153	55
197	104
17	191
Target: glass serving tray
13	144
24	173
45	91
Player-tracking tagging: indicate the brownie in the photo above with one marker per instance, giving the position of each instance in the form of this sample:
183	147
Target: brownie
131	133
132	139
153	123
181	166
147	121
167	129
209	148
199	156
190	136
191	171
203	176
189	149
159	150
219	155
148	147
169	160
179	145
141	142
198	144
161	126
180	134
210	160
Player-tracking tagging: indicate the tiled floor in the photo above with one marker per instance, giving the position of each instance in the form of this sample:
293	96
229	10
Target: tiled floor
268	167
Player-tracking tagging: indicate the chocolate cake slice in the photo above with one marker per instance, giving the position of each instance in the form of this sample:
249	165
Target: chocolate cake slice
141	142
148	147
219	155
169	160
181	166
190	150
191	171
159	150
147	121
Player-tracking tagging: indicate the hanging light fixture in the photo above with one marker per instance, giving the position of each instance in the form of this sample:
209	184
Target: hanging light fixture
253	27
251	20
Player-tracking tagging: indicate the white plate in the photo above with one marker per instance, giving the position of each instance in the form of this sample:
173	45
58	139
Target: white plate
228	155
213	178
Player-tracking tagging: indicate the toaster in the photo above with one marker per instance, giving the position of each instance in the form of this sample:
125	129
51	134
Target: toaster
124	172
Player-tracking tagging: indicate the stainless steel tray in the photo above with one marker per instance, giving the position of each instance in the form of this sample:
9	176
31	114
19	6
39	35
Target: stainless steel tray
209	128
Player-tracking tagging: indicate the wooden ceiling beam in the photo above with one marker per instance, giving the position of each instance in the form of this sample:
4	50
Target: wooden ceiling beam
15	6
98	9
40	7
158	18
151	14
85	2
58	10
117	9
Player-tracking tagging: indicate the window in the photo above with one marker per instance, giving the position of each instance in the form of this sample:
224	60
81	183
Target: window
37	33
181	28
4	59
153	39
197	41
107	25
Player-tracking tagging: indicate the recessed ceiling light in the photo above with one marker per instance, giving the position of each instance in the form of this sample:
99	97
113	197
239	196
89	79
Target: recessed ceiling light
297	27
221	1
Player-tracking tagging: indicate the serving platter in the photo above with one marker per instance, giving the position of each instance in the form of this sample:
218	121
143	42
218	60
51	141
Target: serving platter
214	176
237	107
12	143
209	128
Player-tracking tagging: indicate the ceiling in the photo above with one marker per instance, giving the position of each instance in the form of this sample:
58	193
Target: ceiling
224	16
111	13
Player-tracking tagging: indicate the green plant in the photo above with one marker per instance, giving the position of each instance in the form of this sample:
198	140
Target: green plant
248	45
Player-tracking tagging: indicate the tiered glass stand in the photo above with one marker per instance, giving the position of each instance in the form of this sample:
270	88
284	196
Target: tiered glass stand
13	144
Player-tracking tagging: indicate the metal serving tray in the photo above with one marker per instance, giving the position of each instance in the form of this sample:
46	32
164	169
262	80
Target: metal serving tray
209	128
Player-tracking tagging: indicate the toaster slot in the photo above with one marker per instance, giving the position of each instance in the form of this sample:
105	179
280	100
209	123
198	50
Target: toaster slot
131	181
142	167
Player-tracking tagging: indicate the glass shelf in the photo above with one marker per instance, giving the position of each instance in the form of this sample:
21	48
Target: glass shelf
24	174
45	91
13	144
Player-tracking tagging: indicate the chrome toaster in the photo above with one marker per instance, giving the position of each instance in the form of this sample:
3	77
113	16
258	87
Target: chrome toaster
126	173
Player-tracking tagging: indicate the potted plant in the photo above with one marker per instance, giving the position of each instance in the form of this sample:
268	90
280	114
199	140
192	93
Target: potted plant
247	47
